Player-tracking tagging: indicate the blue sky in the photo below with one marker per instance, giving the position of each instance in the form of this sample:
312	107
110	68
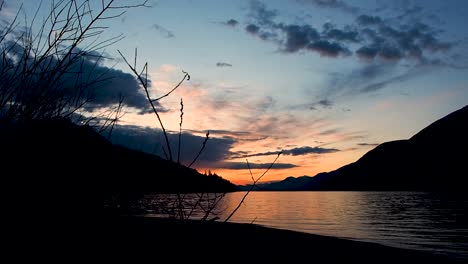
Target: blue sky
323	80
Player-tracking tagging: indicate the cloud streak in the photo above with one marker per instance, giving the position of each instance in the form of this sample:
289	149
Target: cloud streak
325	103
243	165
231	22
163	31
367	144
223	64
299	151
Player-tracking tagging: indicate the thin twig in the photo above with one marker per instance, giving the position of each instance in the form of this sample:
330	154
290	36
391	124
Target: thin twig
251	187
196	205
180	206
251	175
186	76
201	150
180	129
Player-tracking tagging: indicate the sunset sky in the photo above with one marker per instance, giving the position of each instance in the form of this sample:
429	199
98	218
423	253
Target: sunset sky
322	80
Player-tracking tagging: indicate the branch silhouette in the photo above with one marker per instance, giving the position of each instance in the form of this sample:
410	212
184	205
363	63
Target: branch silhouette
201	150
252	186
144	83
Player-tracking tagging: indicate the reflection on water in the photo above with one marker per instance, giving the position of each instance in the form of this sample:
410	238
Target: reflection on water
202	206
416	220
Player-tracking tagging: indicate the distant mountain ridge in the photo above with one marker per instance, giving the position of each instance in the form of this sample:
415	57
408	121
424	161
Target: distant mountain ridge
290	183
434	159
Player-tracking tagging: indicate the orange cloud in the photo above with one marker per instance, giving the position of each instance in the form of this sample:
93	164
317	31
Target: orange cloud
255	123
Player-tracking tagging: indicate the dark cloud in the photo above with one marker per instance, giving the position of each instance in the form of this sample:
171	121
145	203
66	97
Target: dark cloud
231	22
367	52
115	84
390	53
367	144
267	35
299	151
385	44
325	103
223	64
119	84
336	4
163	31
305	37
346	35
308	150
298	37
370	37
261	14
409	41
252	29
243	165
103	86
328	49
151	140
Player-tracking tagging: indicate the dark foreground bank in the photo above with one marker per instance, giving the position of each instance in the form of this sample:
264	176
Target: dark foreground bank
213	242
114	239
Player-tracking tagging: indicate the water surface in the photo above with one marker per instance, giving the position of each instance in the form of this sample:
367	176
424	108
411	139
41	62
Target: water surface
435	222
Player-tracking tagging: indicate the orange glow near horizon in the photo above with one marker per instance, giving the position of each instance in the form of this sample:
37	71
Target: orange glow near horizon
309	165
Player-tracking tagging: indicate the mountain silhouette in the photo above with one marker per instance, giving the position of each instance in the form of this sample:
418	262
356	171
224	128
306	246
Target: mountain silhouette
434	160
57	164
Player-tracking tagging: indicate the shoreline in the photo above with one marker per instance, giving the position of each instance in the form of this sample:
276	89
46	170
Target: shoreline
144	237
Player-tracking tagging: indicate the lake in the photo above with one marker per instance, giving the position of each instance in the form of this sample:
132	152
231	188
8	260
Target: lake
436	222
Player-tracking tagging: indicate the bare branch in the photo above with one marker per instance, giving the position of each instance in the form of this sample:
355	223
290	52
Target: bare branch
165	153
144	4
251	175
144	83
114	16
251	187
200	198
201	150
180	206
180	129
186	76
